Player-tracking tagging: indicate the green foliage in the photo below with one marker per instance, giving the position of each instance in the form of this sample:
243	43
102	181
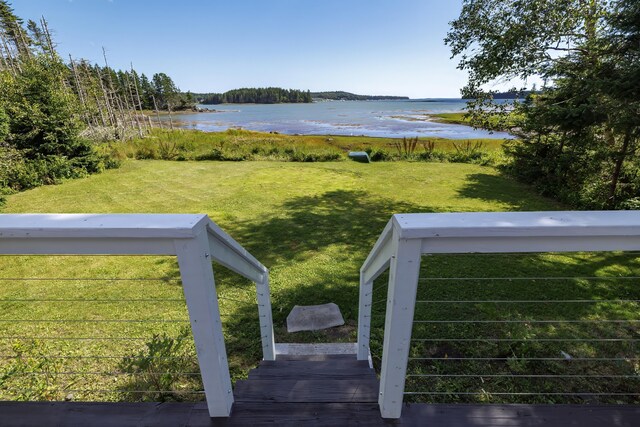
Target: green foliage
40	115
406	147
579	134
167	94
468	152
4	125
43	145
378	155
159	369
43	111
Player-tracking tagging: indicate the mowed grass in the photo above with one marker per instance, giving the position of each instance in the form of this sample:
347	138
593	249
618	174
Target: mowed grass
312	225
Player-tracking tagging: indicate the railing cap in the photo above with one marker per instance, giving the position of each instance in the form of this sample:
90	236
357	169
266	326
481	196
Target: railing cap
101	225
517	224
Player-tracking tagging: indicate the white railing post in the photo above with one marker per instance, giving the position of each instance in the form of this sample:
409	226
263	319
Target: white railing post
266	318
194	259
364	317
401	300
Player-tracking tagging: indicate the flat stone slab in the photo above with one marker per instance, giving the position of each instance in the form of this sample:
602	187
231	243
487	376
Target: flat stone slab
314	317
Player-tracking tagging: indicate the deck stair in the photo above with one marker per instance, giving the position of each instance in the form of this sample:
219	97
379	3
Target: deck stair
322	389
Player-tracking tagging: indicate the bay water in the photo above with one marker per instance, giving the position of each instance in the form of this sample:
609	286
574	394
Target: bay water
391	118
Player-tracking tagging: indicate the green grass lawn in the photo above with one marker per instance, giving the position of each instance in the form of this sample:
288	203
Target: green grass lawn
312	225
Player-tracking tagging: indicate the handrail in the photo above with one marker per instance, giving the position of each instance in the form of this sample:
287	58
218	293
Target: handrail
224	243
194	239
406	237
379	253
226	251
377	262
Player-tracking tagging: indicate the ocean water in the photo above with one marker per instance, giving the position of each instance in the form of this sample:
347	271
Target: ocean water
396	119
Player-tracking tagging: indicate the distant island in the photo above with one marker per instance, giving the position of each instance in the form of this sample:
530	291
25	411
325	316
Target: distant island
261	95
347	96
277	95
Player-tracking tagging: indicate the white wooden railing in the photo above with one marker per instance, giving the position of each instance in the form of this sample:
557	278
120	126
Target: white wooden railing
194	239
407	237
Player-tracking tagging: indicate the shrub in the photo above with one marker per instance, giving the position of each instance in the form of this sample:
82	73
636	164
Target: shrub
313	157
376	155
32	374
147	152
159	369
214	154
406	147
433	156
469	153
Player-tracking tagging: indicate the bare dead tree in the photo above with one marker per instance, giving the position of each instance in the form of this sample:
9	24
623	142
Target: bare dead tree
81	95
11	55
4	60
155	105
47	35
138	101
115	99
133	106
89	78
112	117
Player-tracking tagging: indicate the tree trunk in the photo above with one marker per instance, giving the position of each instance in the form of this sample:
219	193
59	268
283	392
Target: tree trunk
611	200
155	105
81	95
137	100
107	103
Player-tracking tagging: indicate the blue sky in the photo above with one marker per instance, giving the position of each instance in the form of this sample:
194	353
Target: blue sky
377	47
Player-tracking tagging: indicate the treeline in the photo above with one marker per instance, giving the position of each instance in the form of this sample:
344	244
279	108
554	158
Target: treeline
53	113
514	94
267	95
347	96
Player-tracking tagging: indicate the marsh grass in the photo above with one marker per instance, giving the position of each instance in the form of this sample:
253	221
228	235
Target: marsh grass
240	145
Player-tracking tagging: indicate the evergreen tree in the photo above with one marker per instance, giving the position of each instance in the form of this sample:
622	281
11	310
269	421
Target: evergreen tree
12	26
165	91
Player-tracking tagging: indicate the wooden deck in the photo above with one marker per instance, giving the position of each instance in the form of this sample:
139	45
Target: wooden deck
310	391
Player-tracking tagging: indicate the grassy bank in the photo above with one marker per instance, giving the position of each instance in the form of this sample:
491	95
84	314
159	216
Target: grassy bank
501	123
238	145
312	225
451	118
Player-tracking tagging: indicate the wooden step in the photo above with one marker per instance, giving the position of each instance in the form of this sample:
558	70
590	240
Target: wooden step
326	390
263	373
315	357
315	365
291	370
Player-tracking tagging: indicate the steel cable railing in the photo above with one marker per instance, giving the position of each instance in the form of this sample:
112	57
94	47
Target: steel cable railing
547	338
58	345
